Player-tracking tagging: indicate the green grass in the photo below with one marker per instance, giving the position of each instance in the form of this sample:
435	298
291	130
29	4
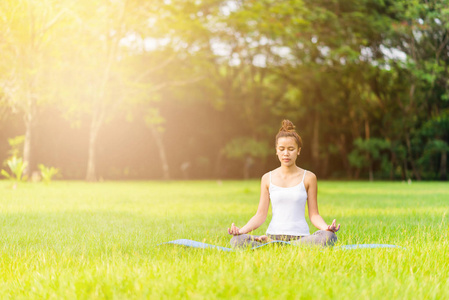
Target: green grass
98	241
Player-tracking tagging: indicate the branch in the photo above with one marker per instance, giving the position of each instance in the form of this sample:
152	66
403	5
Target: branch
446	39
52	22
160	66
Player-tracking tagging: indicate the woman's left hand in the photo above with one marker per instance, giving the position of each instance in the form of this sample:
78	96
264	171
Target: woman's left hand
333	227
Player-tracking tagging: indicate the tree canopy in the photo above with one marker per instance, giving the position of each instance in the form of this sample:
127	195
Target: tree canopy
197	89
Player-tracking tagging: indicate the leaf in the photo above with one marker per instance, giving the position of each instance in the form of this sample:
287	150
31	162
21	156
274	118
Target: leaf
4	173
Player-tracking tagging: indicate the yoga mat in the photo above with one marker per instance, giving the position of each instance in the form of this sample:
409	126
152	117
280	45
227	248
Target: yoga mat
195	244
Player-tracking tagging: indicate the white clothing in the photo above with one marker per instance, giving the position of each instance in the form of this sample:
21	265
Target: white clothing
288	207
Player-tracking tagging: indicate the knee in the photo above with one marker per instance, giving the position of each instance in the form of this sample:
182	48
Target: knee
236	240
329	238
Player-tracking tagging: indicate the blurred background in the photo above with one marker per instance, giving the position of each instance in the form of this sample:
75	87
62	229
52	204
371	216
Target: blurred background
121	90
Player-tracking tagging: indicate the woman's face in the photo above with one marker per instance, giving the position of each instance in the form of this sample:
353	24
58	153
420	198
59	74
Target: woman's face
287	150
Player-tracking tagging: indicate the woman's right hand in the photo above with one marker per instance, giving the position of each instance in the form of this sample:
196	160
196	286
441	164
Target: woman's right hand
333	227
234	230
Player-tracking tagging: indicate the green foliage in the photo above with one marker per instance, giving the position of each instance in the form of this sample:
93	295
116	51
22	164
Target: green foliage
17	167
330	67
240	148
437	146
47	173
16	145
437	126
367	151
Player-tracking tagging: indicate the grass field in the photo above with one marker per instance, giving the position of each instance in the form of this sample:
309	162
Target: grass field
98	241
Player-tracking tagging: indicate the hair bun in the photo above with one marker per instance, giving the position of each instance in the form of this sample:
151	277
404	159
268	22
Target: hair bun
287	125
288	130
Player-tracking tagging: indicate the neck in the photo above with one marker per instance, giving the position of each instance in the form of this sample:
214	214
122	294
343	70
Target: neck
289	169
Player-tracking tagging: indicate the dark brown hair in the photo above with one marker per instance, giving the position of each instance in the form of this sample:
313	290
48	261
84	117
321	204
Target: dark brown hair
288	130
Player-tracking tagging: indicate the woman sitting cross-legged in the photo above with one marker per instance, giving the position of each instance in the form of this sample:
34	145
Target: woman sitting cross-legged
288	188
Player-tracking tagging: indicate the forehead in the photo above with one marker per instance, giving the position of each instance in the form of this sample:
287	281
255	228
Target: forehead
286	141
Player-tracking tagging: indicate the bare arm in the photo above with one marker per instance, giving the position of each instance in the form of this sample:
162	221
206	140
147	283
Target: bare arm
261	213
314	215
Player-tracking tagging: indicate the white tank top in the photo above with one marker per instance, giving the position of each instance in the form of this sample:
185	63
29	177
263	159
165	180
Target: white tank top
288	206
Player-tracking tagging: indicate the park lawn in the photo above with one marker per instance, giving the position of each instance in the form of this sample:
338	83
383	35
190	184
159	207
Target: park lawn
99	241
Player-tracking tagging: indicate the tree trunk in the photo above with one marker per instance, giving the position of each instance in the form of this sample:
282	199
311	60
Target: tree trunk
370	161
91	159
412	162
29	123
393	163
27	145
371	176
443	165
160	146
344	155
249	161
99	106
315	141
404	169
367	130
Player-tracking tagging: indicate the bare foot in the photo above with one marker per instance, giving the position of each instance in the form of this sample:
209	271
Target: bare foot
263	239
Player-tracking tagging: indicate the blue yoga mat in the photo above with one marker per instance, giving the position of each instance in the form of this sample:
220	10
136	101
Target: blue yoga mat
195	244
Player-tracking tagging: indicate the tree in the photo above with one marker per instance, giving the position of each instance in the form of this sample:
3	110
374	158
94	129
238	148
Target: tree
122	49
27	48
436	134
419	30
366	153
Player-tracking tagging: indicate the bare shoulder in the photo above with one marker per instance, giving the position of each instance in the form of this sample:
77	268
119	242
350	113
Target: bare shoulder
310	179
266	176
265	179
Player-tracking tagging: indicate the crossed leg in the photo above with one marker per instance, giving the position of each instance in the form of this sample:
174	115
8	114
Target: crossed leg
322	238
319	238
245	241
